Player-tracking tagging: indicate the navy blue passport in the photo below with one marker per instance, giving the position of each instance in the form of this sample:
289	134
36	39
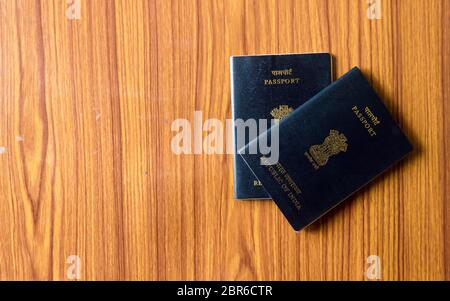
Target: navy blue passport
329	148
269	87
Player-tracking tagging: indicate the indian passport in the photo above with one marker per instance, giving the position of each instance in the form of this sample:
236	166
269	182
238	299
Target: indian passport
328	148
267	88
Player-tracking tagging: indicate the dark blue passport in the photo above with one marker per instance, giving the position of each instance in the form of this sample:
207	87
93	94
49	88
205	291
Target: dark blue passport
330	147
267	87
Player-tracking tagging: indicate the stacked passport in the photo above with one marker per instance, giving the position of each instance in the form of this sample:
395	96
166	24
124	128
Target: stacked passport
325	147
270	87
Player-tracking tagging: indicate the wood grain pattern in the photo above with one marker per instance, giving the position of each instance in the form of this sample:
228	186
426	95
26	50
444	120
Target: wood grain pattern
86	166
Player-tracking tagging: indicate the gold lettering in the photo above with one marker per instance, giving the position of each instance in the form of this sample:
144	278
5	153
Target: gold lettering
257	183
287	184
372	116
367	122
282	81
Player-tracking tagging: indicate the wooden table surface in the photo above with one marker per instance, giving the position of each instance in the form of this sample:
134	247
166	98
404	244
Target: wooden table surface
86	167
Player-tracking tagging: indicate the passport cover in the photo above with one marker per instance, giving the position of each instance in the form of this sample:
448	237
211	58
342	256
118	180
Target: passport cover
269	87
330	147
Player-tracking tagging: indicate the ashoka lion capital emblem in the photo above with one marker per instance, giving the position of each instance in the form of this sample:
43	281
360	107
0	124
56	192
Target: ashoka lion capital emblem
281	112
332	145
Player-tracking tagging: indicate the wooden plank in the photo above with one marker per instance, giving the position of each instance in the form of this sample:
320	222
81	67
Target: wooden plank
86	166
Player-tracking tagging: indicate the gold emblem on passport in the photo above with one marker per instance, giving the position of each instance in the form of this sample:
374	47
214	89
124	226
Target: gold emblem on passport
281	112
332	145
